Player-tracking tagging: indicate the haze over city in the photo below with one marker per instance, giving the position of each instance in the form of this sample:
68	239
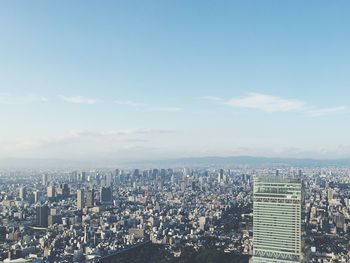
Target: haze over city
164	79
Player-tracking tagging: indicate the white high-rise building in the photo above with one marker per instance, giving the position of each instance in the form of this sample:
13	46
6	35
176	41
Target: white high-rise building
277	220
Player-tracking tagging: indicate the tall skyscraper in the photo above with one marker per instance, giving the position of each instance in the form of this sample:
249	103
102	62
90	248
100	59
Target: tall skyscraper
22	193
63	190
51	191
37	196
45	179
90	198
42	214
106	195
109	180
80	199
220	176
277	220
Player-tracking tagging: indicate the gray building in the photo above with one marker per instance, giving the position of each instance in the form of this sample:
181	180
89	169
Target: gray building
42	214
277	220
90	198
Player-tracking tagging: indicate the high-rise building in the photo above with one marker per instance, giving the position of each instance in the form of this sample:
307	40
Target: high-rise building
42	213
45	179
109	180
54	219
51	191
80	199
63	190
277	220
106	196
37	196
220	176
90	198
2	233
22	193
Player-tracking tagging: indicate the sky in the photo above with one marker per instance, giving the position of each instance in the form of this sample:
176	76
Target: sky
132	80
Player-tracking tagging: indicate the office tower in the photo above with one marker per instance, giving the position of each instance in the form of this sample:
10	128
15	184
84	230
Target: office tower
42	213
339	220
90	198
2	233
80	199
300	173
117	175
51	191
109	180
73	176
53	211
54	219
106	195
45	179
277	220
22	193
37	196
66	190
63	190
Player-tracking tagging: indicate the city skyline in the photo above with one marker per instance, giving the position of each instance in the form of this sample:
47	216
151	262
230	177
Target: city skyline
133	81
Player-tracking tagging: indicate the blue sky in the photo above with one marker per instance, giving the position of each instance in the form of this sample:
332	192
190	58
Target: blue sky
161	79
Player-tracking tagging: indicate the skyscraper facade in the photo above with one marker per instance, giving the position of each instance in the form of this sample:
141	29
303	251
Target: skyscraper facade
90	198
42	213
106	195
80	199
51	191
22	193
45	179
277	220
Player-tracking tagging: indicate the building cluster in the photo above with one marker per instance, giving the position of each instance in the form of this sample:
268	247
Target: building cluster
327	215
86	216
70	216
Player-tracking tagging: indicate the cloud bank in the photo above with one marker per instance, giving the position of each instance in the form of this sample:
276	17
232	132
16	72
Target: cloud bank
272	104
78	99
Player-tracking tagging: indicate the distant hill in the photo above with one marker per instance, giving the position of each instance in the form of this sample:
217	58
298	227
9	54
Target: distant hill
243	161
230	161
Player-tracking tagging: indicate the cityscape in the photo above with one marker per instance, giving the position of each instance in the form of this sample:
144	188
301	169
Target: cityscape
178	131
173	215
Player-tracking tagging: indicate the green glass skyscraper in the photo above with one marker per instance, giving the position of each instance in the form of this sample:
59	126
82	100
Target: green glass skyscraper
277	220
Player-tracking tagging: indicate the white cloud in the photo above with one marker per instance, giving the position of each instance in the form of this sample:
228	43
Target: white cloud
129	103
134	131
325	111
167	109
270	104
148	107
266	103
213	98
78	99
